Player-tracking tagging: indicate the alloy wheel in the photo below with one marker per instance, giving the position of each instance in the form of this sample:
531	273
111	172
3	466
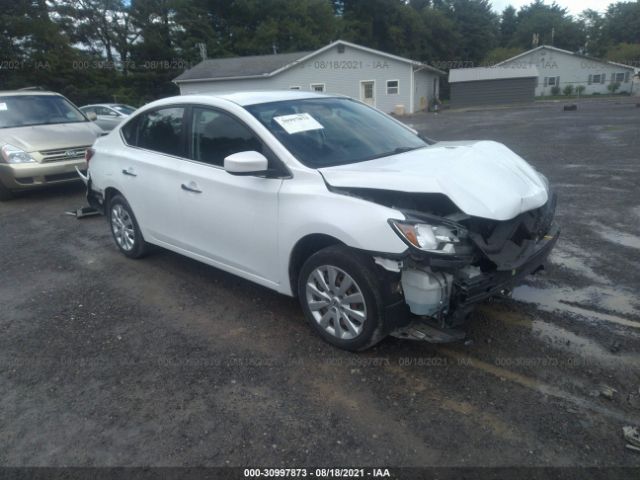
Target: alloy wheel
123	227
336	302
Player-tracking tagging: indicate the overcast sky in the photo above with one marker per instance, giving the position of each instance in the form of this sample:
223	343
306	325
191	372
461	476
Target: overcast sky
574	6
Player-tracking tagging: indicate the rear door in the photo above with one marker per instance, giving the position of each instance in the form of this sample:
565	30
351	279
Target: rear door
150	171
230	220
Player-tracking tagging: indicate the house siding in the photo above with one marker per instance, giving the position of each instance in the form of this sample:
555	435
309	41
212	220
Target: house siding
572	70
493	92
341	73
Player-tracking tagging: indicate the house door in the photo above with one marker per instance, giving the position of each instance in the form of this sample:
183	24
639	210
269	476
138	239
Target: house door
367	92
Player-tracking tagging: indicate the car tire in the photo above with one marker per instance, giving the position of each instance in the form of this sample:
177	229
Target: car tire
125	229
5	193
354	325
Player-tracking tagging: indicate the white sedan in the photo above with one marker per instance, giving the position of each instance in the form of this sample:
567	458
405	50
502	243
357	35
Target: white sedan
374	228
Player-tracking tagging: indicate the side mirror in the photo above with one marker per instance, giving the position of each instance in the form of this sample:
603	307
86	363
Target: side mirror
246	163
92	116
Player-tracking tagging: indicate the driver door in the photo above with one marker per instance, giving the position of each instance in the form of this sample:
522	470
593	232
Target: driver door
229	220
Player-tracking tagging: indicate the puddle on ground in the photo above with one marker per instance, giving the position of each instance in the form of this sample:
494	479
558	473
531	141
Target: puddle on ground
616	236
554	299
572	258
563	339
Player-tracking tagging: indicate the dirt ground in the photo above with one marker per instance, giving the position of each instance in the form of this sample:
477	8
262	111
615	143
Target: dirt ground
168	362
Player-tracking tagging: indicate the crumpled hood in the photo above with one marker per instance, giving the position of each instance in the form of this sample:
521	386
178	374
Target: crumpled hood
483	178
50	137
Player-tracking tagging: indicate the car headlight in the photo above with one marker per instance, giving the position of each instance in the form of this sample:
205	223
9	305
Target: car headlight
11	154
434	238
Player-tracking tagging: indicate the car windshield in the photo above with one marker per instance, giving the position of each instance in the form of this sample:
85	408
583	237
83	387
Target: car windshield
124	109
323	132
27	110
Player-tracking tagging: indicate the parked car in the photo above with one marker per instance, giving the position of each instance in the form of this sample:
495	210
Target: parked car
43	138
108	115
374	228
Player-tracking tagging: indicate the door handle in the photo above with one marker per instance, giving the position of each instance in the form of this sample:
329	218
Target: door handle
129	172
192	187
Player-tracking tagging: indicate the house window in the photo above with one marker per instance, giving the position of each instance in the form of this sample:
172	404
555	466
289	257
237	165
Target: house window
617	78
598	78
317	87
552	81
393	87
294	87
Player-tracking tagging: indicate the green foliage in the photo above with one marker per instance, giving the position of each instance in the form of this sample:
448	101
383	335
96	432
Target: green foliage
130	50
551	23
613	87
567	90
627	53
580	89
500	54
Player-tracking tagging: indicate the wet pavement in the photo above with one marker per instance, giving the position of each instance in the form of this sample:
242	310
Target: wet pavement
165	361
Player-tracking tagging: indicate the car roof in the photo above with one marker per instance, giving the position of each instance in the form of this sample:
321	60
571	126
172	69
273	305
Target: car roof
256	97
18	93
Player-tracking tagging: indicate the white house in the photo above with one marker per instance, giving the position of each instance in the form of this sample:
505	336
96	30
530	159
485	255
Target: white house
380	79
560	68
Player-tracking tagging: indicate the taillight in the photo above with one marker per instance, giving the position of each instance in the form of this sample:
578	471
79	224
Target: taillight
88	154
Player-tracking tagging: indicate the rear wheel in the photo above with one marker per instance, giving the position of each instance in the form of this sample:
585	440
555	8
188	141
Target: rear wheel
339	292
5	193
125	229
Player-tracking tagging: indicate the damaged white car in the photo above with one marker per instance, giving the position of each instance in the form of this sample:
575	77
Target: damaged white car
374	228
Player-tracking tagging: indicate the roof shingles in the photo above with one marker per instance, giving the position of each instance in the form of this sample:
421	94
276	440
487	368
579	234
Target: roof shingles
234	67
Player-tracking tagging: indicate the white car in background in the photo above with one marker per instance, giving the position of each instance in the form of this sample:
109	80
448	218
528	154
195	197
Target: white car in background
108	115
375	229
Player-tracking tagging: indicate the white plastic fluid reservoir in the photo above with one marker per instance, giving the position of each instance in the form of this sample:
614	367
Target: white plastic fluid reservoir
423	291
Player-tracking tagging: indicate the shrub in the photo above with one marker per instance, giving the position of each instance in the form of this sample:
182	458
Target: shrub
568	90
555	90
612	87
580	89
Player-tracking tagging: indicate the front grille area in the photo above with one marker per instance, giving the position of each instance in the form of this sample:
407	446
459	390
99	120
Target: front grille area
61	176
507	244
63	154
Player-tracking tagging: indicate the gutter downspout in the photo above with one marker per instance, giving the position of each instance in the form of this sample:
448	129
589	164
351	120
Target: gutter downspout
412	87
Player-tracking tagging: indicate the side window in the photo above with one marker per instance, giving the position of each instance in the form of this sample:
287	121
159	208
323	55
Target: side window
217	135
103	111
130	131
161	131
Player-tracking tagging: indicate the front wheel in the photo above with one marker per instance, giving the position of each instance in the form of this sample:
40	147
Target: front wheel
125	229
339	291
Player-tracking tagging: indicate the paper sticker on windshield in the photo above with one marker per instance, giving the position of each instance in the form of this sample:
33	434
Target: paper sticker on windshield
299	122
3	107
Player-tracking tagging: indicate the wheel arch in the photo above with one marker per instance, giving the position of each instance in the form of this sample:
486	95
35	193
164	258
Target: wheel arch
303	249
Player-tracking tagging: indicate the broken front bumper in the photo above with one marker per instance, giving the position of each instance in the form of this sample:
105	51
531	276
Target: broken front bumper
462	294
486	285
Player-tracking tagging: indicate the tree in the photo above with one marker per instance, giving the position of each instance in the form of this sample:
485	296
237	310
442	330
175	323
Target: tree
508	25
594	27
477	27
500	54
627	53
622	22
552	23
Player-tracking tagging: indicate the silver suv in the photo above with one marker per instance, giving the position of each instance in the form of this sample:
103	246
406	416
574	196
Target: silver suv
43	138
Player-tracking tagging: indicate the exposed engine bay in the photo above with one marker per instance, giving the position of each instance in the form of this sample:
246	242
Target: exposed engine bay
475	259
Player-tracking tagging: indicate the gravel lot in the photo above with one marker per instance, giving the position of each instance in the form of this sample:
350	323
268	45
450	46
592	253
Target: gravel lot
165	361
